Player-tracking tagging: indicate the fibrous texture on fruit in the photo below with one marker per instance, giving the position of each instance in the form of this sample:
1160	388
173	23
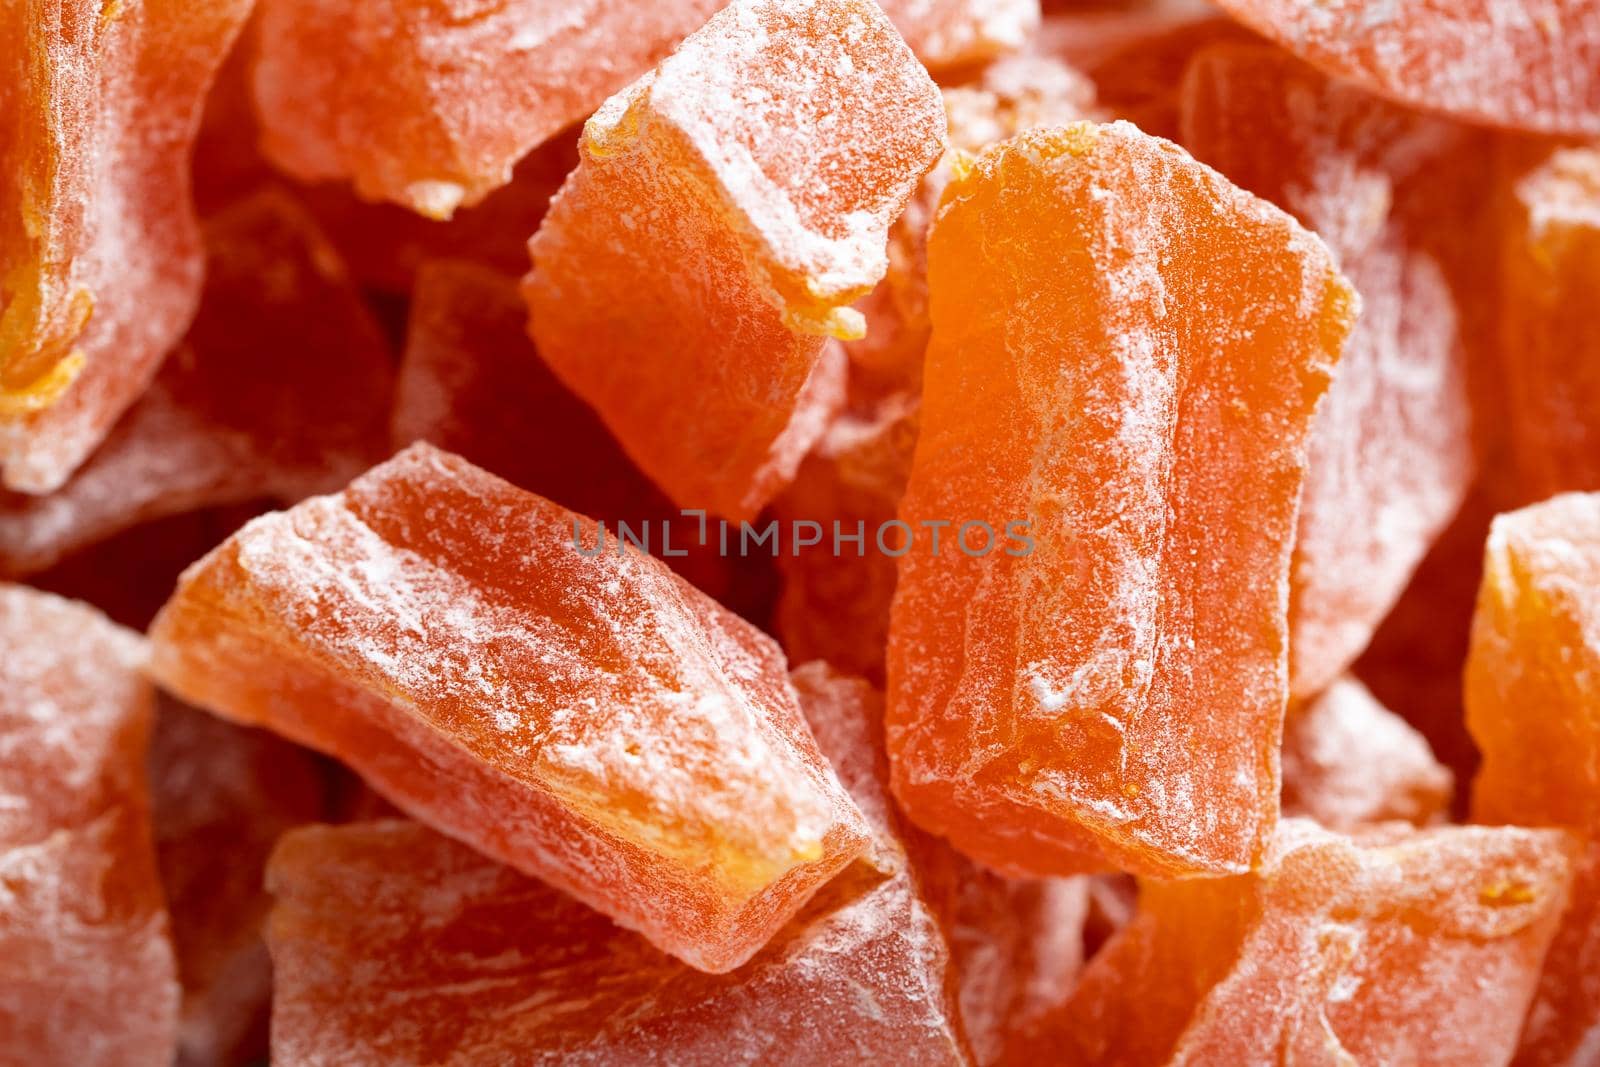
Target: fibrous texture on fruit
1113	694
728	208
578	712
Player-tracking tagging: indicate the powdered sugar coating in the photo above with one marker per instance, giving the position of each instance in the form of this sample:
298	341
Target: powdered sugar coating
591	719
1349	761
1396	946
487	965
1529	64
1126	354
86	967
100	258
728	208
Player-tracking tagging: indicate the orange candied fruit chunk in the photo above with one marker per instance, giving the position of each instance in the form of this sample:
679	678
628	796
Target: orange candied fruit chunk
86	965
1528	64
494	669
279	390
727	209
1337	950
1533	706
1549	335
1536	645
371	913
431	105
1127	352
100	258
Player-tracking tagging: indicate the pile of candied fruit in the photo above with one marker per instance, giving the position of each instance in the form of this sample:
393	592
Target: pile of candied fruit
799	532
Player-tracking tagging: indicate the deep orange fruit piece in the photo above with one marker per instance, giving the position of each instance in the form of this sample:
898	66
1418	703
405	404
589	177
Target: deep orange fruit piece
1398	946
1105	683
371	912
590	719
1533	705
1550	340
1535	645
279	390
701	240
86	966
100	260
431	105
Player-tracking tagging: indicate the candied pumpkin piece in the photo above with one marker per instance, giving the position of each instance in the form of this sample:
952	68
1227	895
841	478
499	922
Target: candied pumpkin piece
1529	64
495	966
1533	706
1398	946
431	105
727	209
371	912
279	390
580	713
100	259
220	797
1391	448
1126	355
1536	645
86	966
1550	338
1348	761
